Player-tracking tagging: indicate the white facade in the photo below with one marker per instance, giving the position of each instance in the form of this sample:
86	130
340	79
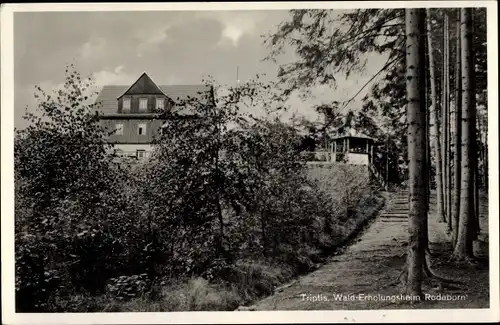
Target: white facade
357	158
351	158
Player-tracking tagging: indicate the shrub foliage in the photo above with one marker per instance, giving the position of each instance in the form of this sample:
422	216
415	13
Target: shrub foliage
223	190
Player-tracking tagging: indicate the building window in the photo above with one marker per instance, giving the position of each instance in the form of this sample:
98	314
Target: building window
126	104
119	129
141	153
143	104
141	129
160	103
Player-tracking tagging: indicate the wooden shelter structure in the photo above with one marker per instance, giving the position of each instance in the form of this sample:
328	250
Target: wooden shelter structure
356	149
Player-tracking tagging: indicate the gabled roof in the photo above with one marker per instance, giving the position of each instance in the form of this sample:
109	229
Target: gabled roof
147	83
108	97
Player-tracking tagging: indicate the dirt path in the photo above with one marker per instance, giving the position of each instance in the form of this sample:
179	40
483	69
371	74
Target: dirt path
361	277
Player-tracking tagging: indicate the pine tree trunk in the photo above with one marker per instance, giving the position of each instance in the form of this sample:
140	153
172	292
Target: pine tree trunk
458	133
435	126
427	171
428	138
417	217
463	247
428	153
475	147
443	121
387	164
444	117
447	130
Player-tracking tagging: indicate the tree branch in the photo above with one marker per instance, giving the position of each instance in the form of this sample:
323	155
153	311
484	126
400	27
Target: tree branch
387	65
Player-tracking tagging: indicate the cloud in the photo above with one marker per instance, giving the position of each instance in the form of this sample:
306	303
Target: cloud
116	76
232	33
95	46
151	39
50	86
235	24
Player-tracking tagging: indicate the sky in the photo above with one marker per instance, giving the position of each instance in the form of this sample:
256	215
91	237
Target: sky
173	47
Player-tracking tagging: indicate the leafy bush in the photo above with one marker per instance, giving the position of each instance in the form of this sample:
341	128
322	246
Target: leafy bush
128	287
69	204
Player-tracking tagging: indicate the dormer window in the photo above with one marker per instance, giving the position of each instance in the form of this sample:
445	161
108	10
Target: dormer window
126	104
160	103
143	104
